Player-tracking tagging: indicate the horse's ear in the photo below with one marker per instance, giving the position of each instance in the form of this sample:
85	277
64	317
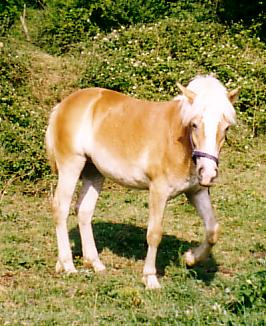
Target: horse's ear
187	92
233	95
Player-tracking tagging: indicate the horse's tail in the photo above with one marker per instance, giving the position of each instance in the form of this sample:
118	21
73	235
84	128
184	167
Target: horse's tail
49	140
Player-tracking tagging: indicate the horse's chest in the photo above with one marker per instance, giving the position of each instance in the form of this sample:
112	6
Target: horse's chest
179	186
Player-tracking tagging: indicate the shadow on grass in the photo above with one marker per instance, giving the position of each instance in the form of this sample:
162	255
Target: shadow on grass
127	240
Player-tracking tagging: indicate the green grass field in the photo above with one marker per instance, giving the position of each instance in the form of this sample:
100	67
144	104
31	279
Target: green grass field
228	289
144	58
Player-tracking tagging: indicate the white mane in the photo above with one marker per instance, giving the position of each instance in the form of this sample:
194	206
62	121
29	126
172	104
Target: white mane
211	98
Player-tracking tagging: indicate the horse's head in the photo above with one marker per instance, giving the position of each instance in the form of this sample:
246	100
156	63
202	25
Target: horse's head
208	112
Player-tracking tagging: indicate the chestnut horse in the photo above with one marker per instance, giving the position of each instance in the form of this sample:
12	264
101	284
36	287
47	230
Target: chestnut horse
167	147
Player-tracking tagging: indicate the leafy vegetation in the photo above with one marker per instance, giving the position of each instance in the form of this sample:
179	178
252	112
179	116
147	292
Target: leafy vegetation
11	10
64	24
140	48
250	293
21	122
252	14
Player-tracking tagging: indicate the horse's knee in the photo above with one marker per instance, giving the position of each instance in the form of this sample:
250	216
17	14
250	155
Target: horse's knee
84	216
154	236
60	212
56	210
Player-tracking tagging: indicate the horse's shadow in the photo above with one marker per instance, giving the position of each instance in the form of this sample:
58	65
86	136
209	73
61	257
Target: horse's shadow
129	241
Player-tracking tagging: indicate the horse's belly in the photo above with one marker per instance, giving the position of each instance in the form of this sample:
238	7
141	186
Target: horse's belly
127	173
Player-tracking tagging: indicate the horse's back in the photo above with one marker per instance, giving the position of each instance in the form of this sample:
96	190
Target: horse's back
109	116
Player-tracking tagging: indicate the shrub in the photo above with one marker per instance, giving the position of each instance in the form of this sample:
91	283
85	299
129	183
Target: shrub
22	125
252	14
11	9
63	28
112	14
65	25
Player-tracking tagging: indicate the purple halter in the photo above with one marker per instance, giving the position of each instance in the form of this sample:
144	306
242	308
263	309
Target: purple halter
197	154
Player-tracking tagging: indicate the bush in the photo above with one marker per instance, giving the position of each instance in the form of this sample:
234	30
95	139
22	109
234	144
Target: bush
252	14
63	28
10	11
65	25
22	125
112	14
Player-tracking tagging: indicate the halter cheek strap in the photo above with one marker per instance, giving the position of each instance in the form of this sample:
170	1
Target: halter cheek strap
198	154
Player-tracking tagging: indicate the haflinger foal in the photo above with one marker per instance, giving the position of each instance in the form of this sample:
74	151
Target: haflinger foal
168	148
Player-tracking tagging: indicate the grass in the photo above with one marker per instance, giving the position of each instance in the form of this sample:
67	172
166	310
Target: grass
226	290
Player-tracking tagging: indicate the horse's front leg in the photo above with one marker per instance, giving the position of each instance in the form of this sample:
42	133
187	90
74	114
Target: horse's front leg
157	201
201	201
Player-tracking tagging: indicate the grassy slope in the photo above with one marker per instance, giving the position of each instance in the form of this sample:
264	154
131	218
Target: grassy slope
32	294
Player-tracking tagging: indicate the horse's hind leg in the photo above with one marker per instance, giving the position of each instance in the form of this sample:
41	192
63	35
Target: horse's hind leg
68	175
201	200
92	183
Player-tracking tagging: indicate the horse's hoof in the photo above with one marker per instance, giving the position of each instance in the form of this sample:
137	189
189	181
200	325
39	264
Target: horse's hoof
87	263
99	267
151	282
60	268
189	258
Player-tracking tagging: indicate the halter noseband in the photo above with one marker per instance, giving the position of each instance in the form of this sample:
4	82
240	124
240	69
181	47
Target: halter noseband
197	154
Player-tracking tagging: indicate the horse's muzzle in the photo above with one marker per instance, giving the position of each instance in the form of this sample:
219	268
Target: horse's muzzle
207	177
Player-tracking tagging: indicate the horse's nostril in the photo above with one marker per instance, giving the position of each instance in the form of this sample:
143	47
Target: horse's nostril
200	172
216	175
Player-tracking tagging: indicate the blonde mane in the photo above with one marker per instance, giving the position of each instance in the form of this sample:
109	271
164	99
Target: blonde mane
212	99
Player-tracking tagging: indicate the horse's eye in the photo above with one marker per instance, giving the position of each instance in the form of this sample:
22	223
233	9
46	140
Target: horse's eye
194	125
226	129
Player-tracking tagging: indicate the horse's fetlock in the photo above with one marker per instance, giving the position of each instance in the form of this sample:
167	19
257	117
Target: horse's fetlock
212	236
151	282
190	258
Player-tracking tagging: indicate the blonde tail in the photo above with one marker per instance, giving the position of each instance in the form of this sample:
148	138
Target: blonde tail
49	141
